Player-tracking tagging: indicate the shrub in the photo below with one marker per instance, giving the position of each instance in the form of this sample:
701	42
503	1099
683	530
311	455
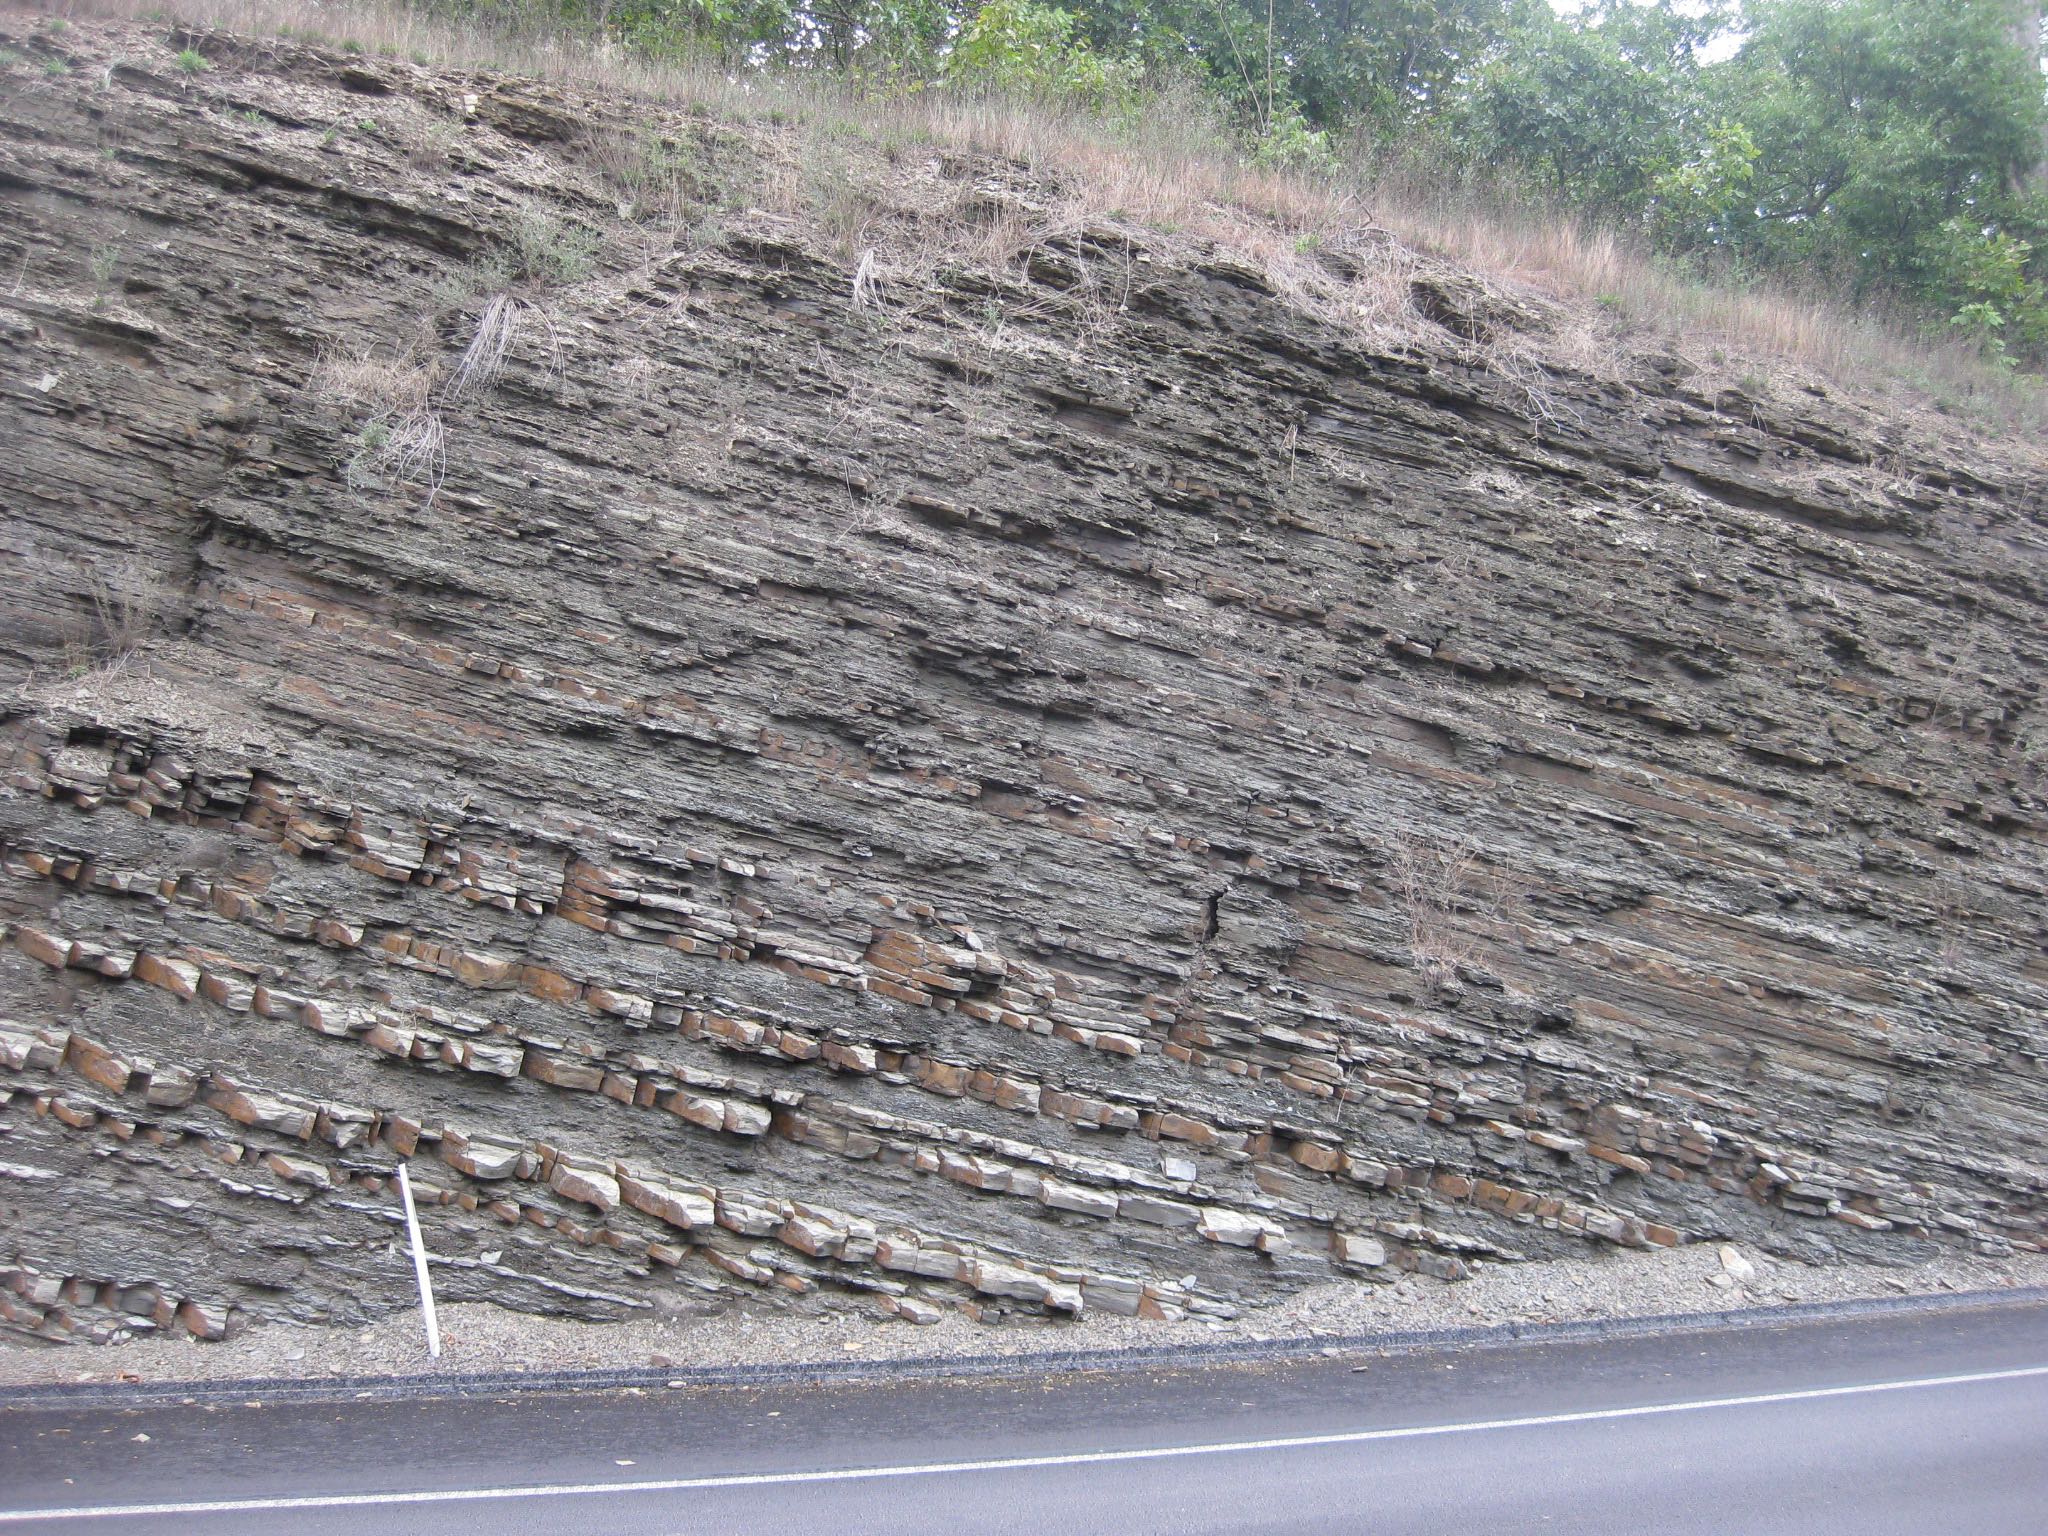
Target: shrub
1290	143
125	604
401	440
549	251
1020	46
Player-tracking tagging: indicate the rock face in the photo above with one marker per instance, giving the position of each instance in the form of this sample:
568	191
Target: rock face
974	794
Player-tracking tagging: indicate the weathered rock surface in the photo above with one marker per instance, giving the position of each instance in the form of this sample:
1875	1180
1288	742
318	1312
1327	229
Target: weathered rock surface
960	799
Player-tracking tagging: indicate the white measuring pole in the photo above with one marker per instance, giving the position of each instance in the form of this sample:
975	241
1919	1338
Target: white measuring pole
419	1265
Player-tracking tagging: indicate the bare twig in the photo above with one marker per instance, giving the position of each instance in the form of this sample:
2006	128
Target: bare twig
1435	883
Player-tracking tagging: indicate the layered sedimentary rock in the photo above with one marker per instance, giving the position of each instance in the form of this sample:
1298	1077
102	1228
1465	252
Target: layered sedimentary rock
991	794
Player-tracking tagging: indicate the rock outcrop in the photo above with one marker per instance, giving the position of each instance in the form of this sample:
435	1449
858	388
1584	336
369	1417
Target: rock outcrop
1081	784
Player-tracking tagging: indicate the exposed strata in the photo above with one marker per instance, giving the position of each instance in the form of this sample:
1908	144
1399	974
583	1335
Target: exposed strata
996	799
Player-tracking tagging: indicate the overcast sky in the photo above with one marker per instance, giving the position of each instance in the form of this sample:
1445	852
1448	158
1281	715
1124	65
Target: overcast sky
1720	48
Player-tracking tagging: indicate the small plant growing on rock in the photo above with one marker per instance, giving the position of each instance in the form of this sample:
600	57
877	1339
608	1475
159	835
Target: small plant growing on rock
1433	883
433	149
125	603
549	251
103	264
455	288
840	204
649	176
401	440
191	61
404	446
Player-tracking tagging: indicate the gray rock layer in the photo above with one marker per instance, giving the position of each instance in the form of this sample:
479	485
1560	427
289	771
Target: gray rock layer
966	796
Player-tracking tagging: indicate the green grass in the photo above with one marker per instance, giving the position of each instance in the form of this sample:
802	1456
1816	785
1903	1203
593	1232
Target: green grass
548	250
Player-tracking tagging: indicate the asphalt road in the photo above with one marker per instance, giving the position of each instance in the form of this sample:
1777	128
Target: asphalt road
1904	1423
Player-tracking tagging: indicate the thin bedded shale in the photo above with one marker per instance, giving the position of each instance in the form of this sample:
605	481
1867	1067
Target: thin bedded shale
966	795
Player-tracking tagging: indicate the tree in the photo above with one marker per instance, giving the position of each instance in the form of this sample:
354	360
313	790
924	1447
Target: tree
1018	45
1340	62
1895	140
1389	61
2030	37
1604	110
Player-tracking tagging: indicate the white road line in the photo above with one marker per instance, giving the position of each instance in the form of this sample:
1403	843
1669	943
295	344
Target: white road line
993	1464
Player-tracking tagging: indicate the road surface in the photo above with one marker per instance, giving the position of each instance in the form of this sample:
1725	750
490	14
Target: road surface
1918	1422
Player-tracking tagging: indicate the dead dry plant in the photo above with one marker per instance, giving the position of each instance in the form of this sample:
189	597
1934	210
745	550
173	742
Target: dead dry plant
867	284
1515	361
1437	884
483	361
402	450
1952	916
1944	710
397	382
636	377
126	605
401	439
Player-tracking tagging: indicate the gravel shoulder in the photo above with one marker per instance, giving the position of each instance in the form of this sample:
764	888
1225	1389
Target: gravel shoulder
480	1337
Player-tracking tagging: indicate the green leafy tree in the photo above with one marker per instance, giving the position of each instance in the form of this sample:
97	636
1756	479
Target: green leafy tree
1391	62
730	30
1695	201
1604	110
1335	63
2001	304
1893	146
1018	45
1882	128
847	35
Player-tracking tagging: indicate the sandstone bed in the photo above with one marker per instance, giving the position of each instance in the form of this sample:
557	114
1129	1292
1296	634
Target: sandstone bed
1078	784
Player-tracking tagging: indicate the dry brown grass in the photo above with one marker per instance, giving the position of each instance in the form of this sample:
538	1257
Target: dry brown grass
483	360
128	605
400	439
1624	297
1172	173
373	379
